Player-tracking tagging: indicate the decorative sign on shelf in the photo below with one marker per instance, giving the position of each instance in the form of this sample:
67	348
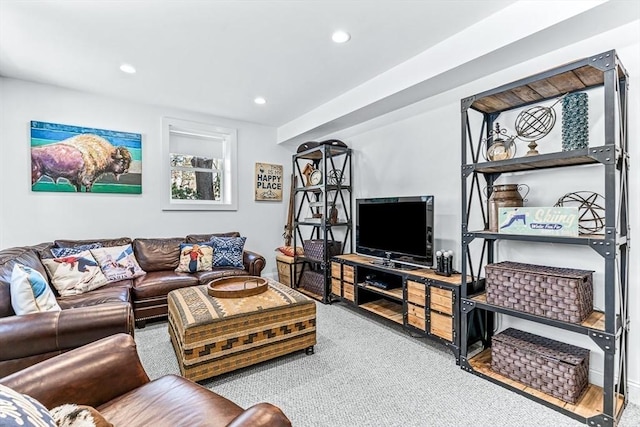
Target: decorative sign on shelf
541	221
268	182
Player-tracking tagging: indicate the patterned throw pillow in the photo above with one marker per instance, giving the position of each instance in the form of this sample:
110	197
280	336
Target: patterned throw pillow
118	262
227	251
17	409
195	257
71	415
62	252
289	251
75	274
30	292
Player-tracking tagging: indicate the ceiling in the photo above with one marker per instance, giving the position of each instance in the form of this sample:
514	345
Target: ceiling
215	57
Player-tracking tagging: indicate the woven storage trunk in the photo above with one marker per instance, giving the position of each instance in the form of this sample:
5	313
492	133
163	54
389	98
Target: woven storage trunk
314	249
312	281
562	294
553	367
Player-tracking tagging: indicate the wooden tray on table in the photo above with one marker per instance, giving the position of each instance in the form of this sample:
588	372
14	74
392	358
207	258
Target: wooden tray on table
237	286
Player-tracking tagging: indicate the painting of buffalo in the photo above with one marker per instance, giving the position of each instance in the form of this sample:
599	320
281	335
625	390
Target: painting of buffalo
72	158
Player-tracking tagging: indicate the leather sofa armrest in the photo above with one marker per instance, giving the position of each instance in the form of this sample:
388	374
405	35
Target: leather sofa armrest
40	333
90	375
253	262
261	414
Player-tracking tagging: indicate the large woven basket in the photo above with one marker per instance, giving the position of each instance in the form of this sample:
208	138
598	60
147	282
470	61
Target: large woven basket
553	367
314	248
312	281
562	294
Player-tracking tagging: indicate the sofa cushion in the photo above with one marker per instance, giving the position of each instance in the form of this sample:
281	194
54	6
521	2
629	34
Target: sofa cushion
195	257
111	292
19	409
199	238
30	292
117	262
75	274
158	254
105	242
175	401
204	277
62	252
227	251
71	415
160	283
25	255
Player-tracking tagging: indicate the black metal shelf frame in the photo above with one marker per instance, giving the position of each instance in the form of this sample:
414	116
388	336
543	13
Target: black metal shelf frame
599	71
328	158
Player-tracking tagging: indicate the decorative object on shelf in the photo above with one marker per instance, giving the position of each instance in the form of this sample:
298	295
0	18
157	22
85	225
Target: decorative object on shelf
444	263
314	248
539	221
307	171
335	177
535	123
553	367
575	121
334	142
316	177
498	148
564	294
268	182
504	196
590	210
307	146
312	281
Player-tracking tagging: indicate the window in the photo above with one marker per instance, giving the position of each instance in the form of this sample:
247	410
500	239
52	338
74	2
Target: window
200	166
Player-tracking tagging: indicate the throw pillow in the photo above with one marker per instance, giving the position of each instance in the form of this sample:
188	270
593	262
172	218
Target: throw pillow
17	409
118	262
30	292
62	252
227	251
71	415
75	274
195	257
289	250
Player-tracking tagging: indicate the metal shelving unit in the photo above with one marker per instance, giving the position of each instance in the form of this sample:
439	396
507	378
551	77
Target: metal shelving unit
600	405
333	192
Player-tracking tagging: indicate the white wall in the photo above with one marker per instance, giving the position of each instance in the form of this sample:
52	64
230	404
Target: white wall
32	217
421	155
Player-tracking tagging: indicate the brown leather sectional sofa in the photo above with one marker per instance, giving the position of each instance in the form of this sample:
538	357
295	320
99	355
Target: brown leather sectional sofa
119	388
111	309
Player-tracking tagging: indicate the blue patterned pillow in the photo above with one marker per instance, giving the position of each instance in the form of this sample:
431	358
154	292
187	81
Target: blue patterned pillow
17	409
227	251
62	252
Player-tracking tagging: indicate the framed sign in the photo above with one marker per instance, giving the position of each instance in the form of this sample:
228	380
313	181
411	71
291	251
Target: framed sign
268	182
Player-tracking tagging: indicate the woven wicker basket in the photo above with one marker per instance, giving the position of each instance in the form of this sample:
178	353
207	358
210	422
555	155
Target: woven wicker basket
557	293
553	367
312	281
314	249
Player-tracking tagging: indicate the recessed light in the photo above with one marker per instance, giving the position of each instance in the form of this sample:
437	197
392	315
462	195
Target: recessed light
340	36
128	68
260	100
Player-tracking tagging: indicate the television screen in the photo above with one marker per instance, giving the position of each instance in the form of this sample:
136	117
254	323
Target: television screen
397	228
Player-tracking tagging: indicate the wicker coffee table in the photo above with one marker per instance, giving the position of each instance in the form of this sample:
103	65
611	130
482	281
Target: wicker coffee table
212	336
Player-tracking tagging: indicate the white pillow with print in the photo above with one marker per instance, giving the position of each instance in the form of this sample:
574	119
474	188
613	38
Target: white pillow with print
30	292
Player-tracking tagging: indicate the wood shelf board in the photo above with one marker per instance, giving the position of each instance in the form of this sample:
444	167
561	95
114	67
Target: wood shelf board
589	405
594	321
310	294
541	161
540	90
385	308
393	293
425	273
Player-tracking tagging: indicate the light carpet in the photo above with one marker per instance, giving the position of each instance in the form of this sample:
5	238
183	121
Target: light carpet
367	371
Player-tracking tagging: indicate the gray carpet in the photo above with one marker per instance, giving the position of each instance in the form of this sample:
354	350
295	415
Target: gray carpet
367	371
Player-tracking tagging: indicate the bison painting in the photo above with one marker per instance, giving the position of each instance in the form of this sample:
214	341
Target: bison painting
81	159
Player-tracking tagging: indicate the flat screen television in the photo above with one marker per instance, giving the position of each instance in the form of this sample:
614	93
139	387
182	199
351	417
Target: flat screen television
398	229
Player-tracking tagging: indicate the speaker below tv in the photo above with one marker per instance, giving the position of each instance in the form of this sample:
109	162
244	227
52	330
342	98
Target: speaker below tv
398	230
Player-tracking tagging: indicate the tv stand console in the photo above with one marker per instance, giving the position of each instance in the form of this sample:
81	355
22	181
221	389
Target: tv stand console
418	299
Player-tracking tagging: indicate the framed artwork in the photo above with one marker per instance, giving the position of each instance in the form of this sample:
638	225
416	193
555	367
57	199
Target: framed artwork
67	158
268	182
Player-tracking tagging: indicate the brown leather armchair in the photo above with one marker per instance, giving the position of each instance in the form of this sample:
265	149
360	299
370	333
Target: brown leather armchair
108	376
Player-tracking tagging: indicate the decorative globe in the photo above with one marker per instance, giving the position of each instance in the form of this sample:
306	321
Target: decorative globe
590	210
535	123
